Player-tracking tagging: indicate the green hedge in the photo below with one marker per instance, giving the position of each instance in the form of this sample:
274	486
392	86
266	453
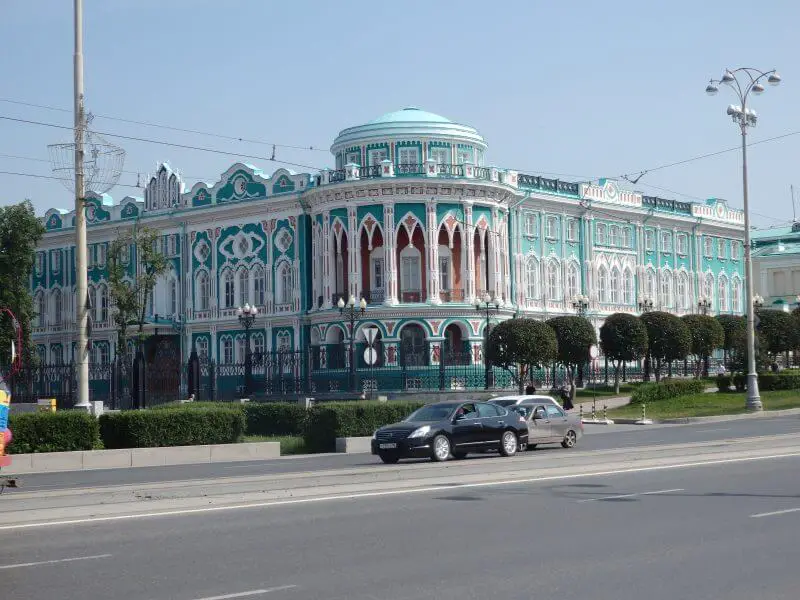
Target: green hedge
668	388
328	421
783	380
61	431
274	418
172	427
740	382
724	383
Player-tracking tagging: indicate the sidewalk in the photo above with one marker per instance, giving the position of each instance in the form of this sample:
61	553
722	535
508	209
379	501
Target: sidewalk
609	403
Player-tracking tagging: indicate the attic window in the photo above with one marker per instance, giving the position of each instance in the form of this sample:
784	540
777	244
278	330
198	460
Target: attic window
795	226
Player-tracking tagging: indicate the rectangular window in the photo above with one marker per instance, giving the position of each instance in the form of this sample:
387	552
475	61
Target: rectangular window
601	234
572	230
101	255
377	156
408	156
377	274
173	245
649	241
735	250
56	261
353	157
552	228
444	273
90	256
627	240
721	248
682	242
464	157
666	241
440	155
410	274
708	246
530	224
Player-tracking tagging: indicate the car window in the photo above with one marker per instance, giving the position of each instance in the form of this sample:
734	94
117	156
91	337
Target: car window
468	411
539	412
554	411
505	402
487	410
431	412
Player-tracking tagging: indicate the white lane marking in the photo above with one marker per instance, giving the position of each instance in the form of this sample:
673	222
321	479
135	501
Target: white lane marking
52	562
420	490
713	429
631	495
775	513
250	593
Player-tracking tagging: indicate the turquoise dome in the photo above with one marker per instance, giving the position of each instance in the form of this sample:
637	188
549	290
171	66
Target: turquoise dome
411	114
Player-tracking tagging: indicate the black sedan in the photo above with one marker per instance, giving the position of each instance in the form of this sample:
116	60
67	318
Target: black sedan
438	431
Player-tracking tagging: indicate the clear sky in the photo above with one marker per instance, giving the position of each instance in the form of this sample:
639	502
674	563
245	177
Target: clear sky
582	89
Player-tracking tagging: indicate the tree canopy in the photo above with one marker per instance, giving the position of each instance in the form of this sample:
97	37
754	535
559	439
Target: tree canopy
574	337
623	338
20	232
778	331
706	335
517	345
668	338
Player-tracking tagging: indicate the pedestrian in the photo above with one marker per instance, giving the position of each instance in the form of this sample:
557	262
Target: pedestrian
530	390
566	397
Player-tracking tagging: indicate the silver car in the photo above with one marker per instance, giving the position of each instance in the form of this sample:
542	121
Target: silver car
549	424
509	401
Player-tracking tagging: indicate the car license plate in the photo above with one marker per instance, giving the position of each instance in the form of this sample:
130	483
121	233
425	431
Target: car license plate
387	446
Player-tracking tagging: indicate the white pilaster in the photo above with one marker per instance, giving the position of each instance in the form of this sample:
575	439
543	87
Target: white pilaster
432	250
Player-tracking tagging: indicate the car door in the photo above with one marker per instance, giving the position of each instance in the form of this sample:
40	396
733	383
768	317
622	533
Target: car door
467	426
559	422
538	424
493	424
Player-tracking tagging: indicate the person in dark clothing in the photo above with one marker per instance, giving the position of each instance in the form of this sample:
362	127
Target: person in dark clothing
530	390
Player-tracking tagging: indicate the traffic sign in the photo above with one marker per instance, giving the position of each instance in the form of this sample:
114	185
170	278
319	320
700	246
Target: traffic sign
593	351
370	333
370	356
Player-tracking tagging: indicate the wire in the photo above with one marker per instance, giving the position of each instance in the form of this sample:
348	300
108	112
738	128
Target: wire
149	124
37	176
171	144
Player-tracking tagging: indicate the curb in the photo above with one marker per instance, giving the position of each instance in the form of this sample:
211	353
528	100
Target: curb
714	419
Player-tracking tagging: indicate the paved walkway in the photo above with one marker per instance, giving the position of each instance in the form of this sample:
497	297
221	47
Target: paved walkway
586	403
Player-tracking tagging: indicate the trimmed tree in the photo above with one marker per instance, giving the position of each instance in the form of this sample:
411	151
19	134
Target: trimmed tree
518	345
20	231
574	336
733	327
668	338
623	338
777	330
706	335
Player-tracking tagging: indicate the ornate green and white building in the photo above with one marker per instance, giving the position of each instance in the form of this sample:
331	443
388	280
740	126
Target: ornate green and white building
414	220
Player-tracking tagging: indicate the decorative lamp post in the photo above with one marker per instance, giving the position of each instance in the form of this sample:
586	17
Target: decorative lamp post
743	81
488	305
581	305
758	301
646	304
704	305
352	312
247	316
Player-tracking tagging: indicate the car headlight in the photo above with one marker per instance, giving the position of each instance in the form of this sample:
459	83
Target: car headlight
421	432
375	435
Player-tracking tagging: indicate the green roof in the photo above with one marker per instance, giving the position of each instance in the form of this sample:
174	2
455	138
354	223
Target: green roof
411	114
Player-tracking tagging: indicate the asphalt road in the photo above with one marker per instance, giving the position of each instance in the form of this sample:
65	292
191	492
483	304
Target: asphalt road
683	532
599	437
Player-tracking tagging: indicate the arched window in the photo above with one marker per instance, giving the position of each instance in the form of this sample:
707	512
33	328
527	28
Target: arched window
91	294
601	234
203	291
615	239
723	293
102	303
532	278
650	284
244	286
666	289
602	284
553	280
41	309
573	278
736	295
227	350
258	285
57	307
285	283
708	288
627	287
258	344
240	348
172	307
615	283
202	348
229	289
682	291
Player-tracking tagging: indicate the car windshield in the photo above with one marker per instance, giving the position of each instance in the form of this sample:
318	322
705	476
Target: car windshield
431	412
506	402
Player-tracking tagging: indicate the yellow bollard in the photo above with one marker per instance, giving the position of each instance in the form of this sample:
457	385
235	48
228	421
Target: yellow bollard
47	404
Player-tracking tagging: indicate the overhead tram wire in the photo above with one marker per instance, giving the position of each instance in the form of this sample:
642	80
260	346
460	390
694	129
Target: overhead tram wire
170	127
165	143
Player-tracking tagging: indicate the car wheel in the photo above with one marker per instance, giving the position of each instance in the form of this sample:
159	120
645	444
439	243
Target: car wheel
389	459
569	440
509	443
441	448
459	455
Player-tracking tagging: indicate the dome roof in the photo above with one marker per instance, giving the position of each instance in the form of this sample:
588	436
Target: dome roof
408	123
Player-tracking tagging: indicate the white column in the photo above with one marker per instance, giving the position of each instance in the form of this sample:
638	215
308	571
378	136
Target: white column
469	254
327	258
432	251
353	254
494	259
314	263
391	275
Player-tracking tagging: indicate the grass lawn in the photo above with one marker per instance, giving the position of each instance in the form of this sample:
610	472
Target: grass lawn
604	391
706	405
290	444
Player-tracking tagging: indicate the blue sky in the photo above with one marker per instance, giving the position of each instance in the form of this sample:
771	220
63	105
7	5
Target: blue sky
577	88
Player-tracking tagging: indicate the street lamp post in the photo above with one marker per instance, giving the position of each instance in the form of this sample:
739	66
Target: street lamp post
247	316
581	305
704	305
646	304
488	305
352	312
743	81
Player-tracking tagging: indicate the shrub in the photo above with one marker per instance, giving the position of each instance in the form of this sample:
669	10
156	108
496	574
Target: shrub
274	418
724	383
172	427
740	382
326	422
63	431
666	389
779	381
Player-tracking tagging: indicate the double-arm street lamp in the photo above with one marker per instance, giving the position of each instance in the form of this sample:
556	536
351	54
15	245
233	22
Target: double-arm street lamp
353	312
581	305
488	305
704	305
743	82
646	304
247	316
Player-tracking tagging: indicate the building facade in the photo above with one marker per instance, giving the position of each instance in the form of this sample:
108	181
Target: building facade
776	262
413	220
